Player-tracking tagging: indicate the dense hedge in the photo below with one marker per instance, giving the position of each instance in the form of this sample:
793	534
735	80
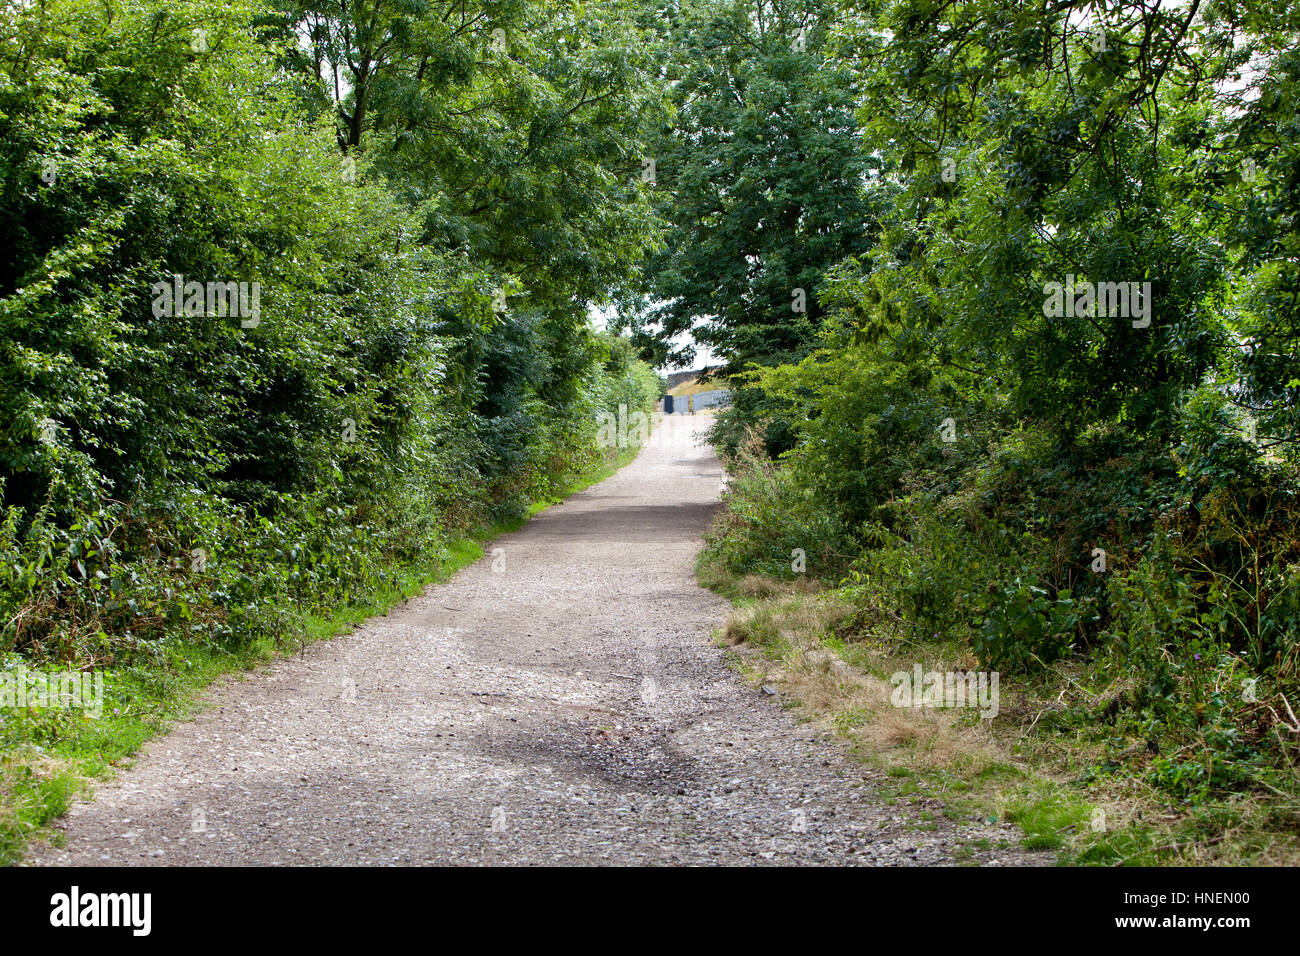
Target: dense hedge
1087	490
214	469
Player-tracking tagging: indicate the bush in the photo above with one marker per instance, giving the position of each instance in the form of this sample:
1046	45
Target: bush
770	519
1026	629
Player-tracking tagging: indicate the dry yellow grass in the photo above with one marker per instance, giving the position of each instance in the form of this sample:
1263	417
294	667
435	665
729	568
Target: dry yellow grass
786	632
786	638
693	386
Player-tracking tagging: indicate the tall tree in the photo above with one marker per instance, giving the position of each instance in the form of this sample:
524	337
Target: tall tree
517	125
762	178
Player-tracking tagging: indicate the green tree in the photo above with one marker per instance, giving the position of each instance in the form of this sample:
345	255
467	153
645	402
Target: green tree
762	180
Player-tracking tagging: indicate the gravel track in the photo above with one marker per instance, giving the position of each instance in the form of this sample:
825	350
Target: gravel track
560	701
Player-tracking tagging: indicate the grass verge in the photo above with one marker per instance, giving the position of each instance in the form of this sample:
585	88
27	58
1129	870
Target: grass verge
1051	777
50	757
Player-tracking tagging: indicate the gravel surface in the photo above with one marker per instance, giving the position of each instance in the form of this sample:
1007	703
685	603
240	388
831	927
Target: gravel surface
559	701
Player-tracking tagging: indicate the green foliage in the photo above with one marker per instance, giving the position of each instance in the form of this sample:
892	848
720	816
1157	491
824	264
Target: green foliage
1026	629
188	473
1097	488
770	519
758	180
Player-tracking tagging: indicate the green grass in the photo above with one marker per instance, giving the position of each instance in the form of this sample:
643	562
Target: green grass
50	757
1051	776
1048	820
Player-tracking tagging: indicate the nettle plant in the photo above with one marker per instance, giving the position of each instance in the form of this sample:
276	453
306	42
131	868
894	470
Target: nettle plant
1026	628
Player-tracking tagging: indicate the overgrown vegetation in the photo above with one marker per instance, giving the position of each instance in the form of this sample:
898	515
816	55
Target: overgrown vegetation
406	217
996	461
1007	296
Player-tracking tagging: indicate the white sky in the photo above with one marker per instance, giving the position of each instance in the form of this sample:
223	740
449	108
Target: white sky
703	354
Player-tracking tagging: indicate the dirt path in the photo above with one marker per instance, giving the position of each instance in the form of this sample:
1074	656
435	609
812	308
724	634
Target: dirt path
558	701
